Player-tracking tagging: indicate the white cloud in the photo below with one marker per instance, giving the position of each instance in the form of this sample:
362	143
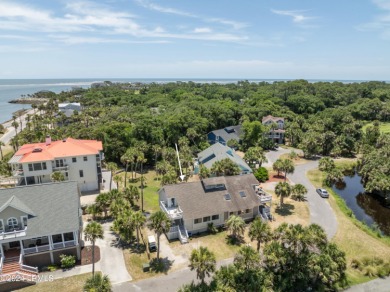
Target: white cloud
152	6
202	30
96	19
297	15
380	22
73	40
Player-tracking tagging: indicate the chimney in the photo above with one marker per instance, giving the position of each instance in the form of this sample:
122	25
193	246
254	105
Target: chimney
48	140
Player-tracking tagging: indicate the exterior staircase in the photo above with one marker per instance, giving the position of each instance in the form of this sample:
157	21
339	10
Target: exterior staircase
12	269
183	235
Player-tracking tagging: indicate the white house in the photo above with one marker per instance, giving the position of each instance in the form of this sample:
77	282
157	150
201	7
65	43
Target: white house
69	108
276	133
78	160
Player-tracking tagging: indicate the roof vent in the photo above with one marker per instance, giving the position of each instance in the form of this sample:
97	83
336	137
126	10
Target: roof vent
37	150
227	197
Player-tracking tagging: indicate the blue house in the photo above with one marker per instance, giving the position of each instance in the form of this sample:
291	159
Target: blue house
224	135
218	152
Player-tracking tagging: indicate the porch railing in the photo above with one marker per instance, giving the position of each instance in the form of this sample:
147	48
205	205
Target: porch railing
42	248
1	263
13	233
173	213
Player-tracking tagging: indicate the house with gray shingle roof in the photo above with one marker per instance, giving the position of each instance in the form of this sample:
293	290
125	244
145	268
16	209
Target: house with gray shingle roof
192	206
224	135
38	223
277	132
218	152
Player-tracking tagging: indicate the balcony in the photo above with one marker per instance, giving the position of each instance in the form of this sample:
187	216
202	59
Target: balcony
18	173
173	212
18	231
47	247
265	198
60	168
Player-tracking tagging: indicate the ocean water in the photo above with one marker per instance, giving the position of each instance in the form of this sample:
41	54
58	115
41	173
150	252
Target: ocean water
15	88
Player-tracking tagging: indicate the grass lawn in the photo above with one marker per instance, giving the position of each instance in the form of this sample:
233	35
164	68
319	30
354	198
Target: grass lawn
69	284
152	185
383	127
354	238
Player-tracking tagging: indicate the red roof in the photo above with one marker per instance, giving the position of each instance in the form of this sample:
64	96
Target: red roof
271	118
58	149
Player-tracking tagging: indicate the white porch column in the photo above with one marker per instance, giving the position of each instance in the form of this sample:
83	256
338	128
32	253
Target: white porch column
62	236
21	247
75	237
1	249
51	248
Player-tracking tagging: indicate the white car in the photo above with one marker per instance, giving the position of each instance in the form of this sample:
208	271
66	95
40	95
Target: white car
323	193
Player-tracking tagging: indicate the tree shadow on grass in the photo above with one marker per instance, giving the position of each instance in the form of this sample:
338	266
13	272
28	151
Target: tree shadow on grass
234	240
162	265
285	210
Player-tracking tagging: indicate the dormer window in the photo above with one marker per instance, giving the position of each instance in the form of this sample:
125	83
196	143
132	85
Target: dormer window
12	223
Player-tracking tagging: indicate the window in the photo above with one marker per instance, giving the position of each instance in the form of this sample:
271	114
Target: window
24	220
206	219
44	165
215	217
37	166
197	221
227	197
81	173
242	194
12	222
239	213
247	211
57	238
231	213
59	163
74	159
85	158
66	174
30	167
68	236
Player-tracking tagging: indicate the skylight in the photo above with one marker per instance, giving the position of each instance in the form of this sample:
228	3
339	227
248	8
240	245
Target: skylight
242	194
227	197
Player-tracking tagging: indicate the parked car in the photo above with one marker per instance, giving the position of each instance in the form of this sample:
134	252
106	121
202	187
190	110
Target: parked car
152	243
323	193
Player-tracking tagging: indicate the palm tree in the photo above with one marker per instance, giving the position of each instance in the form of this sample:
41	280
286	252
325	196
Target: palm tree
298	192
98	283
124	225
112	167
326	164
260	231
255	154
94	209
118	205
138	222
236	226
103	201
118	179
131	193
156	150
203	261
57	176
126	159
277	166
247	258
282	190
1	149
92	232
141	159
287	167
160	223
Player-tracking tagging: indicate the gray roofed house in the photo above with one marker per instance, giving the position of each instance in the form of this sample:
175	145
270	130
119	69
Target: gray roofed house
192	206
217	152
39	222
224	135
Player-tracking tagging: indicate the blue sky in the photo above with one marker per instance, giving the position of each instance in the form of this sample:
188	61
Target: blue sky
347	39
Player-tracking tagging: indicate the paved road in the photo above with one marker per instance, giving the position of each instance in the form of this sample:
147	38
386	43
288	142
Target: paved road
10	133
321	212
167	283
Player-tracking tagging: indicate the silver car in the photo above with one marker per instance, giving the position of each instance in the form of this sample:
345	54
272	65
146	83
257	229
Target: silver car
323	193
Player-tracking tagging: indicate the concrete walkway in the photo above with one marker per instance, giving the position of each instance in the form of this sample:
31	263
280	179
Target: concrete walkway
112	262
72	272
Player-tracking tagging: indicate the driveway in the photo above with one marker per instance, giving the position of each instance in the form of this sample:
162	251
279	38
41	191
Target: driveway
112	262
321	212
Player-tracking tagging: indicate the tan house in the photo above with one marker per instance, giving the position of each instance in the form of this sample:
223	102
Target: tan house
38	223
277	131
77	160
192	206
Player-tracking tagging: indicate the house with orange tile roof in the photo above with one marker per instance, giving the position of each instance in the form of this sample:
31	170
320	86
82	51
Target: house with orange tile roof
77	160
276	125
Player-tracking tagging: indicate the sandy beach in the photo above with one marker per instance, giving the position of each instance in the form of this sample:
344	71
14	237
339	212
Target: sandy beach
10	130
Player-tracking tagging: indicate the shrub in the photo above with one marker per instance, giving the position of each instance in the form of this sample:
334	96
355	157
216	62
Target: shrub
261	174
356	264
52	268
370	272
211	228
67	261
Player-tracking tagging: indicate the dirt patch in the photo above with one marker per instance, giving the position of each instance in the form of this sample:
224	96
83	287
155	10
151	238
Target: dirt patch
86	255
274	177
